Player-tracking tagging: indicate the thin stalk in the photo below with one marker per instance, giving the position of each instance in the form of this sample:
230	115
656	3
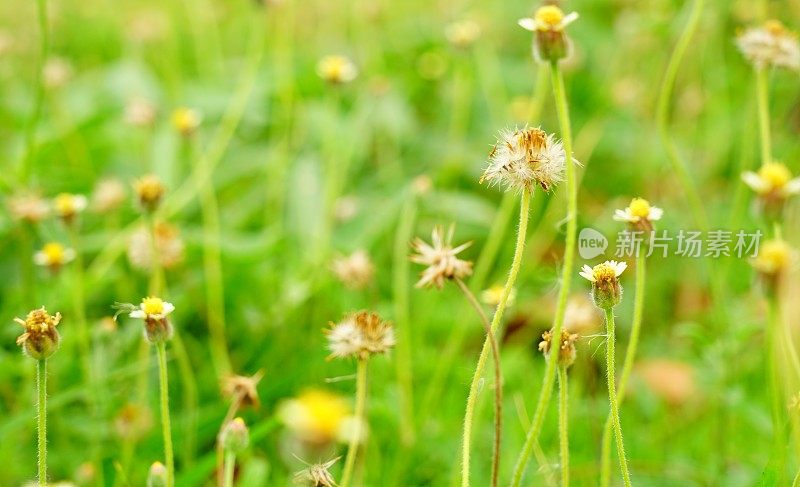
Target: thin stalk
33	123
762	95
563	423
559	93
230	464
361	401
472	399
775	385
157	278
79	307
41	412
405	228
612	395
166	428
498	378
627	367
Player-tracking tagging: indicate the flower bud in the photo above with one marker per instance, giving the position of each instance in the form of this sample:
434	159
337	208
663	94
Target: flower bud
550	42
149	192
235	437
566	351
40	339
157	477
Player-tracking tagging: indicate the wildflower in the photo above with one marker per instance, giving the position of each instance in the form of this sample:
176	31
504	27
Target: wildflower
773	183
346	208
566	352
243	389
440	257
492	295
317	475
108	195
154	312
773	259
186	121
639	215
422	184
149	190
360	335
606	289
523	158
40	339
140	112
550	43
672	381
317	417
157	476
235	436
133	422
336	70
56	73
354	271
581	315
770	44
53	256
168	242
28	207
463	34
69	206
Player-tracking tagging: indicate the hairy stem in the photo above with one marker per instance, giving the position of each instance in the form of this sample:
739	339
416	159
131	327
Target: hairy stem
472	399
566	276
762	95
563	424
166	428
498	379
361	401
230	464
612	396
41	412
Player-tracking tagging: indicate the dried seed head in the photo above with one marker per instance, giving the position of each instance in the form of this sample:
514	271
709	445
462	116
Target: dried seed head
140	112
235	437
354	271
337	70
56	72
109	194
40	339
441	259
69	206
53	256
606	289
168	242
550	42
566	351
149	190
29	207
157	477
770	45
639	215
317	475
243	389
360	335
186	121
522	159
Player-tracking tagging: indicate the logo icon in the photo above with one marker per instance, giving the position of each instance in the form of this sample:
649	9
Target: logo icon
591	243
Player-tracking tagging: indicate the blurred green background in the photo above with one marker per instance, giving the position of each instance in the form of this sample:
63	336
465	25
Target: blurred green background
303	173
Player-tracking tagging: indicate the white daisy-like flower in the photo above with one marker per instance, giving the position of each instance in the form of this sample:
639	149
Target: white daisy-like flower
639	214
770	44
337	69
53	255
523	158
360	335
463	34
548	18
606	289
152	308
441	259
610	269
773	179
67	206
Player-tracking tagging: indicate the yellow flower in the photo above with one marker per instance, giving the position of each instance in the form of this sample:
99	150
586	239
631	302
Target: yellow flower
773	258
316	416
68	206
53	255
492	295
772	179
149	190
606	289
639	214
337	69
186	121
550	42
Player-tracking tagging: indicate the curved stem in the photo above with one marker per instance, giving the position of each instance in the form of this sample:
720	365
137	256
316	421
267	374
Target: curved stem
166	428
627	367
762	95
361	400
559	94
230	463
472	398
498	379
563	424
41	411
612	396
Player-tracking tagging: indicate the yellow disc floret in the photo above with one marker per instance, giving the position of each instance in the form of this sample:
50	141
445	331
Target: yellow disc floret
550	16
640	207
775	174
604	272
152	306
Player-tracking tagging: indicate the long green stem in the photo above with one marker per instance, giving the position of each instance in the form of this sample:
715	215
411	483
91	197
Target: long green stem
559	94
361	402
166	428
776	394
472	399
33	123
612	395
230	463
762	95
498	378
627	367
563	423
41	411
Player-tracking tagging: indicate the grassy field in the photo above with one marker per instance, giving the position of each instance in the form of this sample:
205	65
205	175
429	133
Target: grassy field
293	187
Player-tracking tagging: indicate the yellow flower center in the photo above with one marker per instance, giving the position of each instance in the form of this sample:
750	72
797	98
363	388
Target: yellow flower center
326	412
604	272
152	306
185	120
774	256
775	27
549	15
65	204
54	252
640	207
775	174
149	188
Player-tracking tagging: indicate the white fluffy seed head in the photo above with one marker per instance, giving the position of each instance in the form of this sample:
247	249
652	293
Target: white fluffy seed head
523	158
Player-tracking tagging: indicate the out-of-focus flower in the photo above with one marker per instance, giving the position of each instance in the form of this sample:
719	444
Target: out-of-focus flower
639	215
86	474
774	184
133	422
606	289
566	351
243	388
354	271
360	335
422	184
317	475
68	206
550	43
316	416
158	475
463	34
29	207
148	26
168	242
674	382
186	121
140	112
773	260
346	208
440	257
149	190
53	256
581	316
56	73
523	158
40	339
770	44
235	437
337	69
492	295
154	312
108	195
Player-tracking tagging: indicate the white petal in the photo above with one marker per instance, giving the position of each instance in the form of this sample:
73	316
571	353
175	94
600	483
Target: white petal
586	273
168	308
80	202
39	258
619	267
622	215
755	182
792	187
137	313
527	23
655	213
569	18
